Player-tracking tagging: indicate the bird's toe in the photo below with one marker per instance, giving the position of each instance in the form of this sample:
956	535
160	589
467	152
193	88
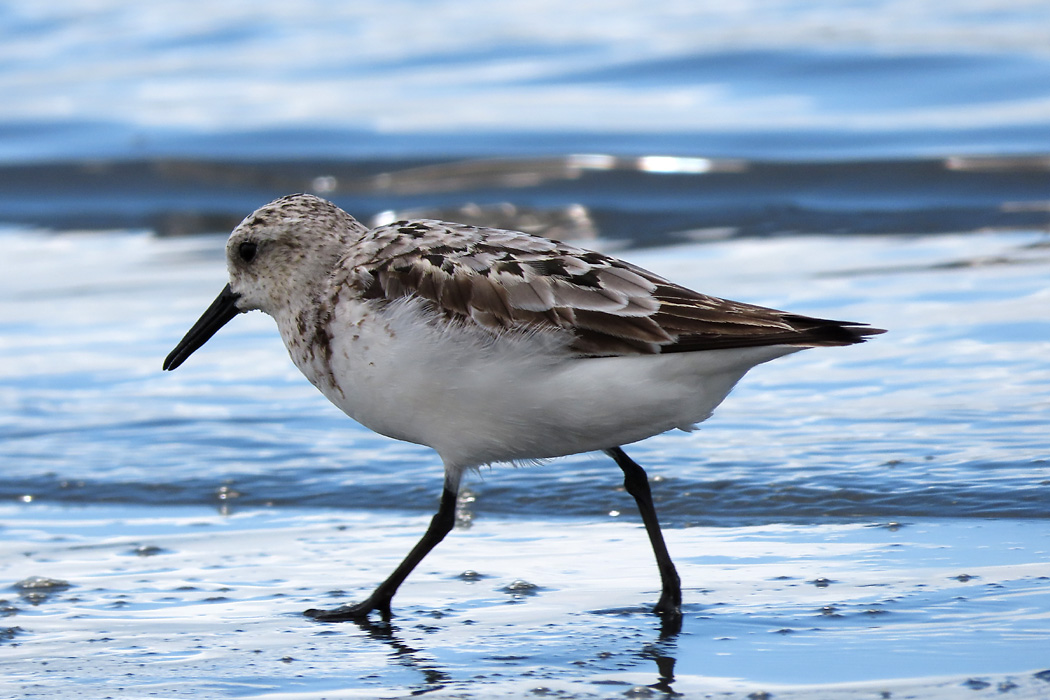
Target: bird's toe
343	613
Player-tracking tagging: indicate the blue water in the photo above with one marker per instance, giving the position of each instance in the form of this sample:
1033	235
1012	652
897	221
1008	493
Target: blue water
876	161
139	121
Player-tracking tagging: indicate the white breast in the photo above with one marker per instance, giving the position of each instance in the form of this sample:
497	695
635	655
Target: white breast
476	398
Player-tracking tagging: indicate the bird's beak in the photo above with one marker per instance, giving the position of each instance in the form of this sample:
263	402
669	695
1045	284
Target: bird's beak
218	315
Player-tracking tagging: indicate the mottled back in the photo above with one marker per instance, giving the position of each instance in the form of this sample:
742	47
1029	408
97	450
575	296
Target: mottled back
509	280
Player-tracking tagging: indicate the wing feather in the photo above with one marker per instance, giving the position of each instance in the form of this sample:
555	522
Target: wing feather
508	280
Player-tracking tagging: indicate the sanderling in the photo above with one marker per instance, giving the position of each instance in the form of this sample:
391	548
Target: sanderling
493	346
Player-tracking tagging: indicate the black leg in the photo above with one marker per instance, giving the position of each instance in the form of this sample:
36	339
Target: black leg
441	524
637	484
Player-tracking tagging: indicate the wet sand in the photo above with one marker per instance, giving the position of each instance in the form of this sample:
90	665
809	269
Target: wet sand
188	602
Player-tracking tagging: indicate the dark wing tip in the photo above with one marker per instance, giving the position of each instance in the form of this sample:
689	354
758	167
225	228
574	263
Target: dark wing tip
832	333
801	331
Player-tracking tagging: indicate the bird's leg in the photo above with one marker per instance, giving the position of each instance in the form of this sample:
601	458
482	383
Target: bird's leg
441	524
637	484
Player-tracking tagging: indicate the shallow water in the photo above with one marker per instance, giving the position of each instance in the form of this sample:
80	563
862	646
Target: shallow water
941	418
173	602
851	522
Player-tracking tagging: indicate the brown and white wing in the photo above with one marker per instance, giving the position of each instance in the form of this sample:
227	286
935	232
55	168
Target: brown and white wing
503	280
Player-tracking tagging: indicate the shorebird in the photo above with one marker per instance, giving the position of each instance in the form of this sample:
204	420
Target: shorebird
492	346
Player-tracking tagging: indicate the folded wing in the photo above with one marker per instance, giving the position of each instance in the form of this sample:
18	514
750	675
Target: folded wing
508	280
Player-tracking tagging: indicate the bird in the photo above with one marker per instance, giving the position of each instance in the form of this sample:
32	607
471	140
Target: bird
493	346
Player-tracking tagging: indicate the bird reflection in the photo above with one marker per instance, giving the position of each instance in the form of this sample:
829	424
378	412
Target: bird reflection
661	651
386	632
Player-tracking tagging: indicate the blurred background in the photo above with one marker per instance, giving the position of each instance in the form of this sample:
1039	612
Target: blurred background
836	158
881	161
879	116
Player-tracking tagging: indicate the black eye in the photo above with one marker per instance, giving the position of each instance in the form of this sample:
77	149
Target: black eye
247	251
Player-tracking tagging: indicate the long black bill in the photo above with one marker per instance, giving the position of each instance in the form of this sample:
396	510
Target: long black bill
218	315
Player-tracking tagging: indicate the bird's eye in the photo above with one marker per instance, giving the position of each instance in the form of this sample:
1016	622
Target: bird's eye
247	251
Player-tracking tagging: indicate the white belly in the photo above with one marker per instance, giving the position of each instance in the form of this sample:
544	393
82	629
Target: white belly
476	399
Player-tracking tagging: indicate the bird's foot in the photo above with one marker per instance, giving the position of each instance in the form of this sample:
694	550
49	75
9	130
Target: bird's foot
669	606
670	613
345	613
